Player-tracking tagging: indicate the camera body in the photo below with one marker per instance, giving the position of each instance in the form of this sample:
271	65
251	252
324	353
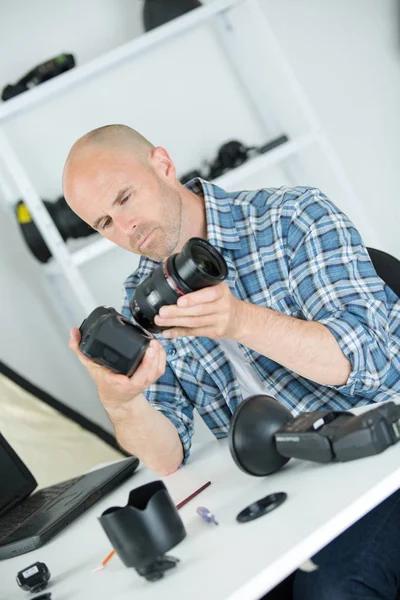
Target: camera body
111	340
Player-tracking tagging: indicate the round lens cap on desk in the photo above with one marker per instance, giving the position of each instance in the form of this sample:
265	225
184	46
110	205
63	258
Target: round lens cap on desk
261	507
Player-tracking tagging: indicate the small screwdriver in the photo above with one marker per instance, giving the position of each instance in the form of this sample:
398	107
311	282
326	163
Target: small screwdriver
206	515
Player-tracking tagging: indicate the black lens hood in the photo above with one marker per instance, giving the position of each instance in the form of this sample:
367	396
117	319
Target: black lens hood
146	528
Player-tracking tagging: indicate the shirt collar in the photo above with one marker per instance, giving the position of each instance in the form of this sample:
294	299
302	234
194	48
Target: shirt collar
221	228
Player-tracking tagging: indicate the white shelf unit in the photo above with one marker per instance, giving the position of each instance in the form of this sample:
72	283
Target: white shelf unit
218	13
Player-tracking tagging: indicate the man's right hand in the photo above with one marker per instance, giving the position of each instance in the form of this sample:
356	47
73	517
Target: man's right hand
115	389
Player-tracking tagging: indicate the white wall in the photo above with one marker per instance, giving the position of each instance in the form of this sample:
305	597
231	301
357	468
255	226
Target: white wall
184	96
347	56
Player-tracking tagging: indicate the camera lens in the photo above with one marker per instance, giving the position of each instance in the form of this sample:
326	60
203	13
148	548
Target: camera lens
198	265
205	262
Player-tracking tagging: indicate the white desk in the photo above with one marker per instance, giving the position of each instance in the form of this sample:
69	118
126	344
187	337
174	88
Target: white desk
233	561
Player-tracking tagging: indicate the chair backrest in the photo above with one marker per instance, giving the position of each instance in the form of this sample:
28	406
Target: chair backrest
387	267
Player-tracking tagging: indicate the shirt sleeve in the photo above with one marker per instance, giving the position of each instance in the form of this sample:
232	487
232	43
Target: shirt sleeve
334	282
166	394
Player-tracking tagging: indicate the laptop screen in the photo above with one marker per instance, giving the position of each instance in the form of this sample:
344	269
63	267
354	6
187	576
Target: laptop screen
16	481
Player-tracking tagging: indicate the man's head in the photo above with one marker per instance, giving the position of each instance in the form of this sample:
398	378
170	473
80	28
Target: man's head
126	189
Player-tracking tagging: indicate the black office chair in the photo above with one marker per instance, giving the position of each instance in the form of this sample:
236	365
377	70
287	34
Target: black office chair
387	267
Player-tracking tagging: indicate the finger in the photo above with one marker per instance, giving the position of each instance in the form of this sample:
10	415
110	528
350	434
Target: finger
176	332
207	294
123	382
73	344
148	367
74	339
191	322
96	370
191	311
153	373
89	364
162	359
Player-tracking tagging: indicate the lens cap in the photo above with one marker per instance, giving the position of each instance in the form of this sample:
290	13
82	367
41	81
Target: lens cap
261	507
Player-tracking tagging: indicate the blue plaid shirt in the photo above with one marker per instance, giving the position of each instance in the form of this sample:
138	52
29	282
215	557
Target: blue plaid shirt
291	250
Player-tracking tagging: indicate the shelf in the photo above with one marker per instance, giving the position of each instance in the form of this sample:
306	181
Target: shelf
79	74
229	179
92	250
67	258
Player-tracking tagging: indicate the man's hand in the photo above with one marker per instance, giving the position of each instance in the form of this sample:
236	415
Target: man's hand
116	389
211	312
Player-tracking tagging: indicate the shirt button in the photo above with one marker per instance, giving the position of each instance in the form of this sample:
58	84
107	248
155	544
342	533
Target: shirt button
172	352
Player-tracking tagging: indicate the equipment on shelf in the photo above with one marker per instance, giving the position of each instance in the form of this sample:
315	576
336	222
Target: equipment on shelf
67	222
113	341
263	434
234	22
158	12
47	70
232	155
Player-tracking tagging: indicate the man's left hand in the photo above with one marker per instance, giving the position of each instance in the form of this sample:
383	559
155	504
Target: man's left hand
211	312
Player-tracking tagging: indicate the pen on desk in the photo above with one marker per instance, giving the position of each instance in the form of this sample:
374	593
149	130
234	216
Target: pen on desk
178	506
104	562
186	500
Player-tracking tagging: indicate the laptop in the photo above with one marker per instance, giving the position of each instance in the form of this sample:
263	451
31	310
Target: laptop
27	521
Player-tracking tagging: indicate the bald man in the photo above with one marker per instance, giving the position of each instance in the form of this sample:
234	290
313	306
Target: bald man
127	190
302	316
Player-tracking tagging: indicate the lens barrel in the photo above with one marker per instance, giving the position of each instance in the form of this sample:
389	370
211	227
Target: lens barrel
197	266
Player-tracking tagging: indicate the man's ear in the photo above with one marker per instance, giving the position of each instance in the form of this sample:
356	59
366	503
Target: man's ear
162	163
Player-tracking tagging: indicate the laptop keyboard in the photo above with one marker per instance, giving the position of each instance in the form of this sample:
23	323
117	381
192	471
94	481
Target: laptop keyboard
21	513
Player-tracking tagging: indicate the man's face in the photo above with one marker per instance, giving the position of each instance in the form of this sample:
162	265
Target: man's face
134	205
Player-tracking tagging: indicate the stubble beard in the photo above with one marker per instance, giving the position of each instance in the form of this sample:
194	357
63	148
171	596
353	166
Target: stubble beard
171	234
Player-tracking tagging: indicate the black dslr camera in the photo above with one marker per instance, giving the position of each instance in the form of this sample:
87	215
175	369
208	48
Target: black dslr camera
263	434
110	339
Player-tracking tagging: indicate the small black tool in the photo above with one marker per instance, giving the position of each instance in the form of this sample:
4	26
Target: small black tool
261	507
46	596
34	578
